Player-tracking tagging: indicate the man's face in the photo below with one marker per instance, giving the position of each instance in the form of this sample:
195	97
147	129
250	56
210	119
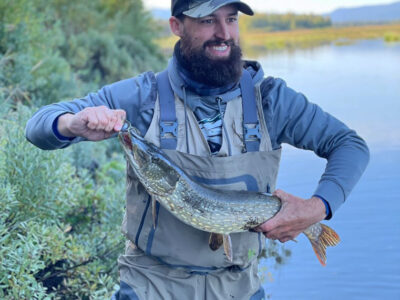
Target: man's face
214	35
210	47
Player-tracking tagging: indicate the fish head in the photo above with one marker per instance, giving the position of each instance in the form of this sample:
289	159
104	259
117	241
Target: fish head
136	147
141	152
149	163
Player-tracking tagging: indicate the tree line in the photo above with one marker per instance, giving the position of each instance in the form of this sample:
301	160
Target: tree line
283	22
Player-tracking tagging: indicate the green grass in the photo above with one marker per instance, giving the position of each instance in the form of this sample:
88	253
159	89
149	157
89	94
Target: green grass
392	37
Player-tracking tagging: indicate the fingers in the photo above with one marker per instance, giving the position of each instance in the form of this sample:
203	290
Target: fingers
96	123
121	116
275	222
268	226
281	235
103	119
282	195
284	226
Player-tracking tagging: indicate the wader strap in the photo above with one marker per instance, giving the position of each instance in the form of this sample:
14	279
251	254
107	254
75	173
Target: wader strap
251	125
168	121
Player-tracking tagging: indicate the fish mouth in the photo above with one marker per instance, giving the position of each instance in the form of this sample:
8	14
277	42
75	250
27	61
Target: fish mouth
133	139
137	139
142	151
128	128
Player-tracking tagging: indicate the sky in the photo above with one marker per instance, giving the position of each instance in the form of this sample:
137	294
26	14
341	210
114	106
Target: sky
282	6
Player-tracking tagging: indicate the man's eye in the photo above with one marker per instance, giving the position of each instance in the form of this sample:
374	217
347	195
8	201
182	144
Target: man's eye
232	20
207	21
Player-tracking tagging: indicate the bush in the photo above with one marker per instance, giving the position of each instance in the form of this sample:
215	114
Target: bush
51	51
391	37
60	222
31	68
61	211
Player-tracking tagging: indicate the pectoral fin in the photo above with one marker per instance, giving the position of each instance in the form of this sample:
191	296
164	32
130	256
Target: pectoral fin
228	246
215	241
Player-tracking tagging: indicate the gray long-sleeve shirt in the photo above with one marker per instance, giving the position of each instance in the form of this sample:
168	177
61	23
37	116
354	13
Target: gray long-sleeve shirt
289	116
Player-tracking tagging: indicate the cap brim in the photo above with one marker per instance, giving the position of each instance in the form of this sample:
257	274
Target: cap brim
206	9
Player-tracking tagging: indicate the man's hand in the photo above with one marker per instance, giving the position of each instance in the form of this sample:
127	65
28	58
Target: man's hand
295	216
93	123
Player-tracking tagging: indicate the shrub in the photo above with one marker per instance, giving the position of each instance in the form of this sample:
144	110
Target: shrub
31	68
60	222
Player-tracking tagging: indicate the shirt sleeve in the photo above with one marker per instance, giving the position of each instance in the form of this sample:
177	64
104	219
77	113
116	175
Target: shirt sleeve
135	95
292	119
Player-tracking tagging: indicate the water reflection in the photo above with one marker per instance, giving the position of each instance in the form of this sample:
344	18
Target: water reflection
360	85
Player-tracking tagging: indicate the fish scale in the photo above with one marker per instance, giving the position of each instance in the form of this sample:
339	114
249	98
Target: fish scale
203	207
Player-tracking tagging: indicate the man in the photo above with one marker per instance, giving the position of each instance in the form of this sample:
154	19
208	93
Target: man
223	123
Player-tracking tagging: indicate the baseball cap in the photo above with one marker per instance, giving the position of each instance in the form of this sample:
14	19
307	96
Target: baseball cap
201	8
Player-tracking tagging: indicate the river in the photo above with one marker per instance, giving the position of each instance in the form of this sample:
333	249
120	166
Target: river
360	85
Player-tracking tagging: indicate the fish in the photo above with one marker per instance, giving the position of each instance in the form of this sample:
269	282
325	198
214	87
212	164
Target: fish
219	212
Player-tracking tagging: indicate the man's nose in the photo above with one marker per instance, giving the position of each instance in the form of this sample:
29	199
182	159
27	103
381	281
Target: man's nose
222	31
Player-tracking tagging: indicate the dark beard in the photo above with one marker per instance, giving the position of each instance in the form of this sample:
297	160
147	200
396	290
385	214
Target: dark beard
212	72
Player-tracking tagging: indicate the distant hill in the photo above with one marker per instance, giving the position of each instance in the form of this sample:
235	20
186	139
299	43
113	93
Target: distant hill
161	14
367	14
386	13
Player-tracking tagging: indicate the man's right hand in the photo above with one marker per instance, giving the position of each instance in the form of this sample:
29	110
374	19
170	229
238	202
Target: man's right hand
93	123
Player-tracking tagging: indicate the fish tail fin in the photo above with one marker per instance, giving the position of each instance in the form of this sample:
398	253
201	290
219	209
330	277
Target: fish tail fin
327	237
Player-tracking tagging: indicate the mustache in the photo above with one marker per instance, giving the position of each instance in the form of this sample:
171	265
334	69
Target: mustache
212	43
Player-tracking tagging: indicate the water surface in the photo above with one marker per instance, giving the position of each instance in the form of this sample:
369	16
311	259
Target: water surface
360	85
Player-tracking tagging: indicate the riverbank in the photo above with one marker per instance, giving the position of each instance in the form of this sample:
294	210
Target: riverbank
256	42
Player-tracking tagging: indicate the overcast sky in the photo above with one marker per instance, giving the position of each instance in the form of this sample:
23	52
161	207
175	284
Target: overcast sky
296	6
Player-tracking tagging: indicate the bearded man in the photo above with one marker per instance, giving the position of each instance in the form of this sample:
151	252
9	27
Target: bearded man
222	122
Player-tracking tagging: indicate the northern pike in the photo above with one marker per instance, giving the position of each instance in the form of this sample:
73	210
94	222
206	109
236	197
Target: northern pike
219	212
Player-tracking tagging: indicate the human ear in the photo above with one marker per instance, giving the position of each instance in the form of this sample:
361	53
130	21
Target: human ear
176	26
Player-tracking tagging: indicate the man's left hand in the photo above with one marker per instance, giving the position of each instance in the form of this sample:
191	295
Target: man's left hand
295	215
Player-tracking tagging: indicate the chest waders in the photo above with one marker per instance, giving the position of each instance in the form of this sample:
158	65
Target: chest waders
173	260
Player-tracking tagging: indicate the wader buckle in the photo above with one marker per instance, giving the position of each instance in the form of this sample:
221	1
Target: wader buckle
168	127
252	134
